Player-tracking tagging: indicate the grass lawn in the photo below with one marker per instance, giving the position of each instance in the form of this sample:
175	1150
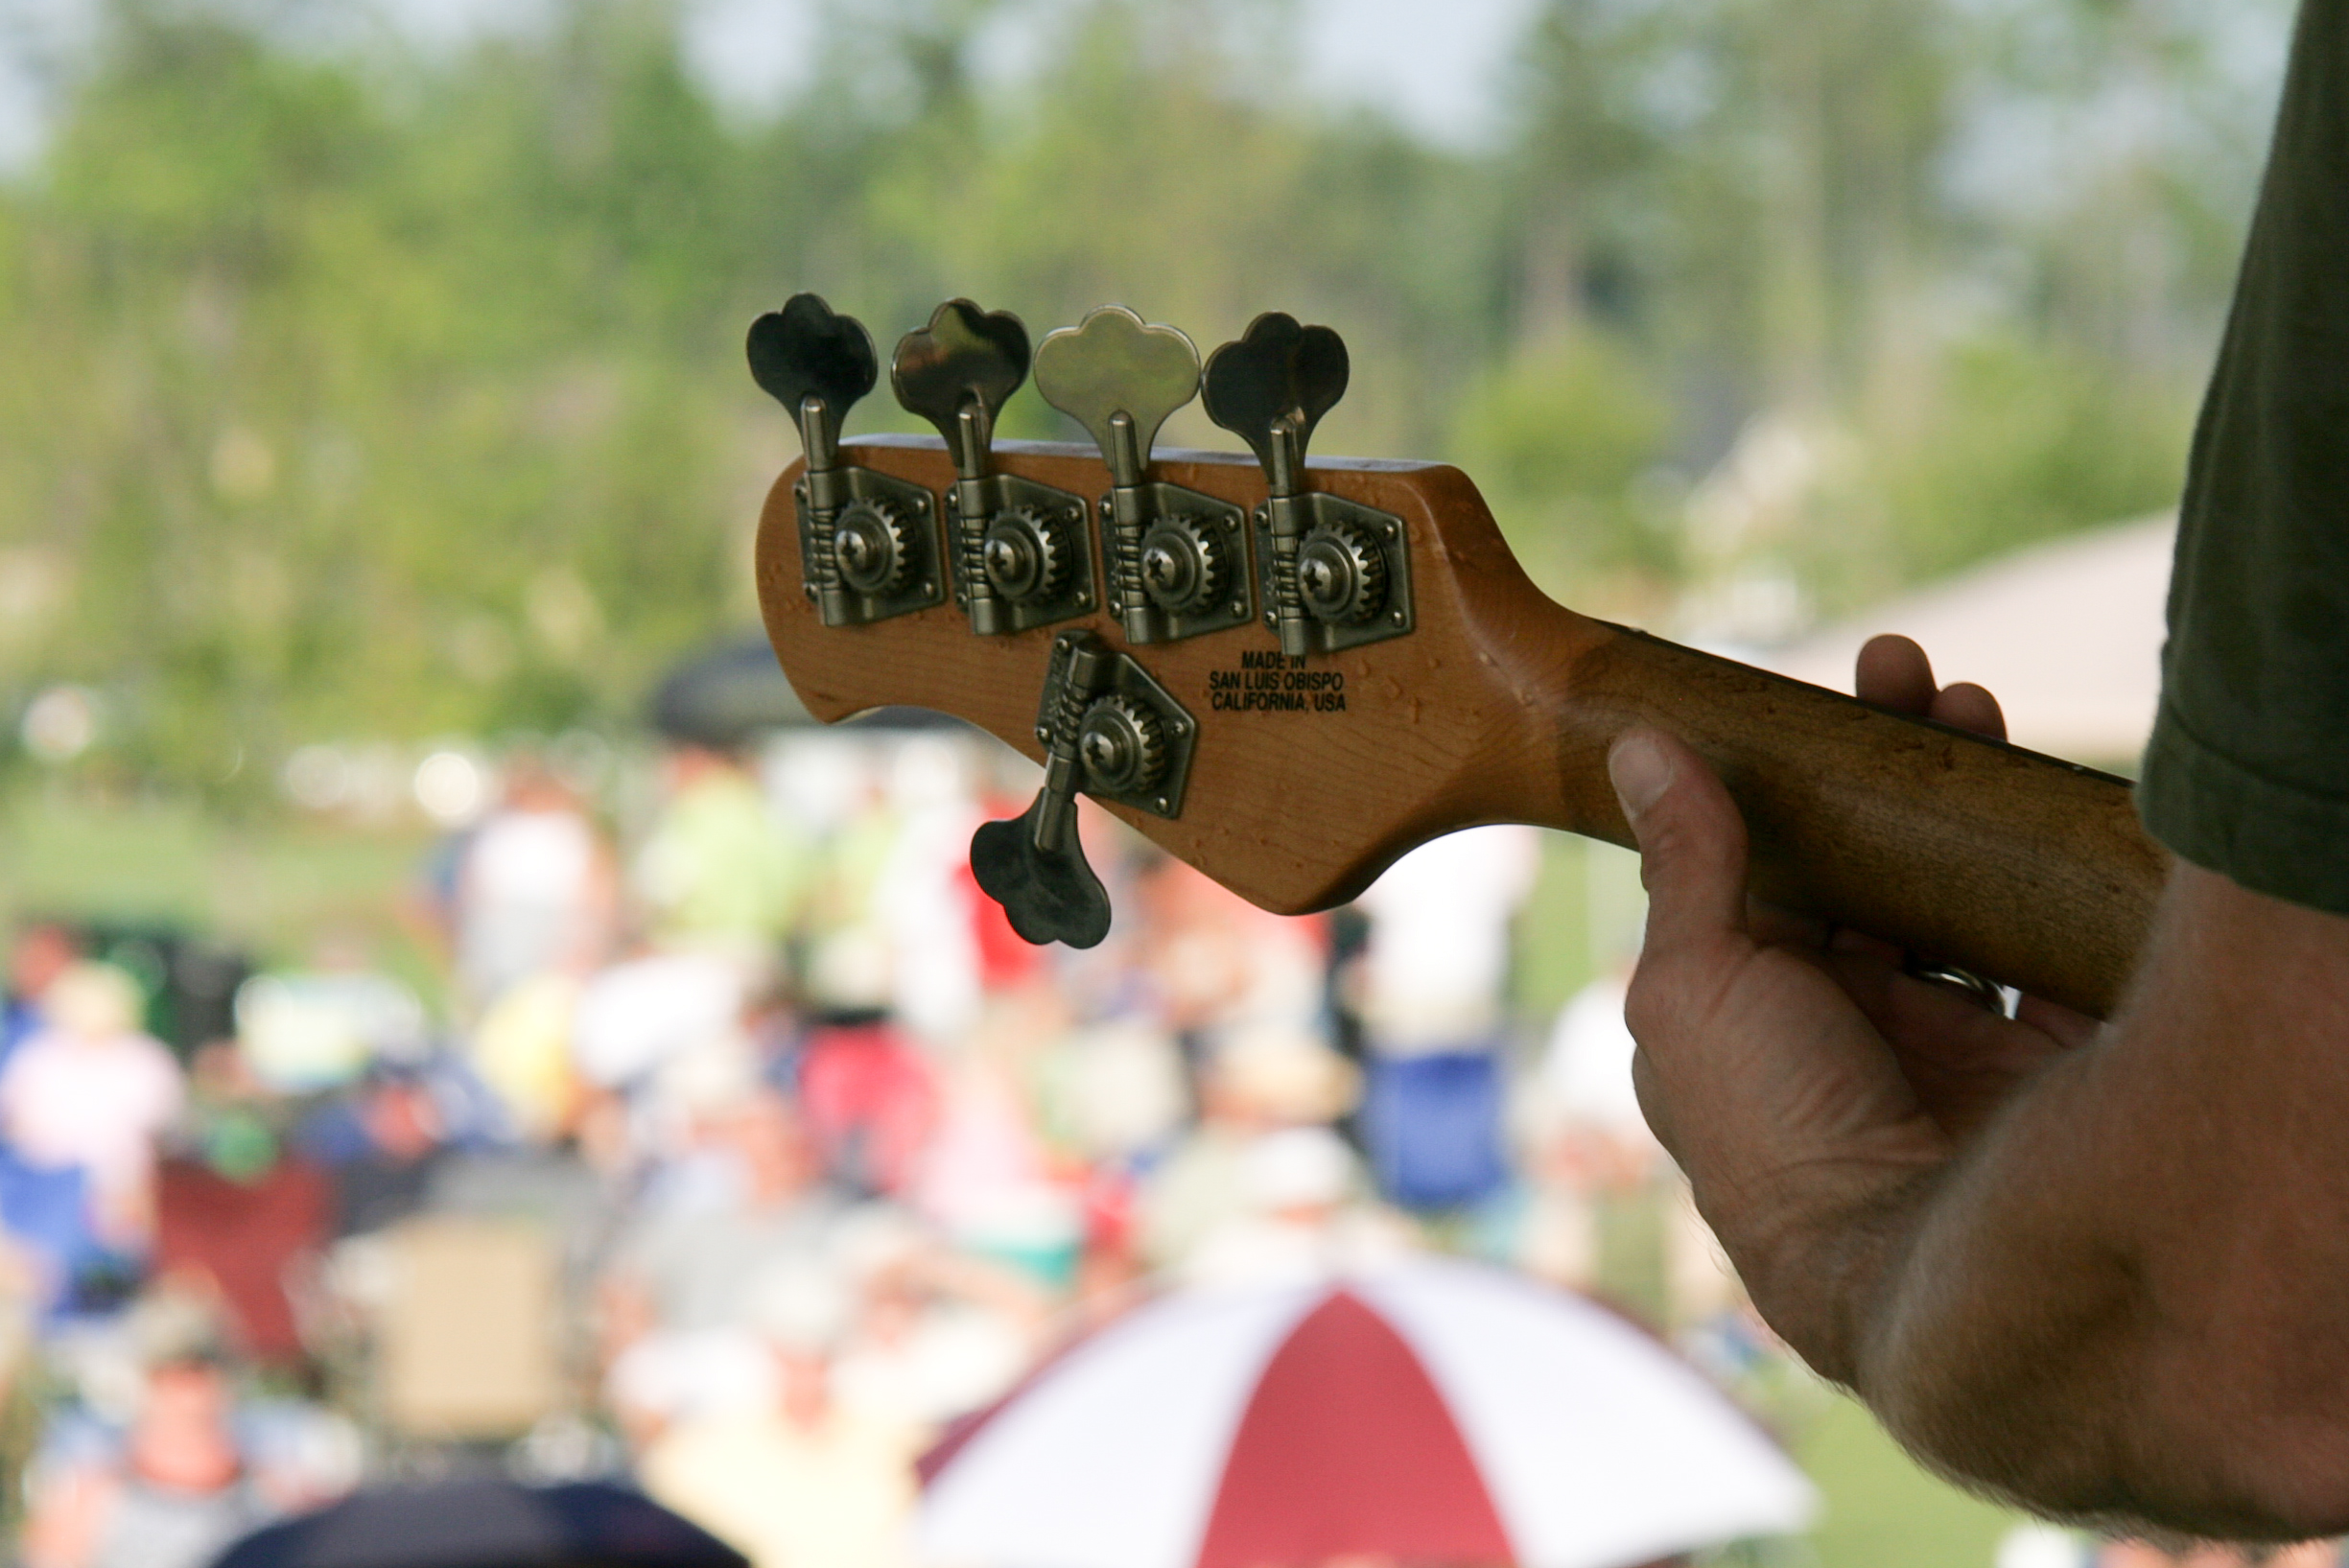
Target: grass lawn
1881	1510
278	888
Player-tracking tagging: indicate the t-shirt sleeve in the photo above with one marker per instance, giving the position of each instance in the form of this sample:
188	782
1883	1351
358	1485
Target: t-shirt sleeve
2247	772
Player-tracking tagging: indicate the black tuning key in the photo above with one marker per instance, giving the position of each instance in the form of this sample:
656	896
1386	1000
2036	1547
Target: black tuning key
1177	557
1334	574
868	542
1110	731
1022	554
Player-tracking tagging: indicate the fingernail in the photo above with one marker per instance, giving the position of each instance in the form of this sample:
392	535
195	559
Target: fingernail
1640	770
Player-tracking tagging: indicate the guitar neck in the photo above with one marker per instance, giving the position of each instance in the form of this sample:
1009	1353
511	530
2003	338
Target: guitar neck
1311	774
2025	868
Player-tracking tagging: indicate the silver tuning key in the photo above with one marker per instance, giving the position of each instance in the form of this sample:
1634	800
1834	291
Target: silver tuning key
1177	558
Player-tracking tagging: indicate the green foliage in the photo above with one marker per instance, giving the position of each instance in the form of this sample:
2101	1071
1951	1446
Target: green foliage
2024	443
379	392
1560	438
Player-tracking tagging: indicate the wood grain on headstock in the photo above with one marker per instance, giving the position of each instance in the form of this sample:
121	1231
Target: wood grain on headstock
1499	706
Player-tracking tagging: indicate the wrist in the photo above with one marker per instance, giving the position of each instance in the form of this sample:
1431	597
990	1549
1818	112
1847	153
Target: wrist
1826	1273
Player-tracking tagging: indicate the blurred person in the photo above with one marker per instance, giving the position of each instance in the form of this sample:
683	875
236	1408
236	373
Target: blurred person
174	1492
379	1141
680	1291
1305	1217
92	1090
1257	1080
803	1481
934	916
535	890
719	871
2144	1555
986	1176
240	1211
39	953
935	1334
869	1100
1430	988
1599	1179
522	1048
1213	961
846	958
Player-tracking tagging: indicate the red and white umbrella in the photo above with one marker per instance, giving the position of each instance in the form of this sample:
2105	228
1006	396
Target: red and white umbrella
1432	1413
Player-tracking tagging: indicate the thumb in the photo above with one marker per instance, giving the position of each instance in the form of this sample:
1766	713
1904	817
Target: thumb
1692	841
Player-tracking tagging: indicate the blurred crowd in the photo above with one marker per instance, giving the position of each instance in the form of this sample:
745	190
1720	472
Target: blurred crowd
744	1153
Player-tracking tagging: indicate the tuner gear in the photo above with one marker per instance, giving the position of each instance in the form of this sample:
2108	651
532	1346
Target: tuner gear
1183	565
1025	554
1122	746
870	544
1340	573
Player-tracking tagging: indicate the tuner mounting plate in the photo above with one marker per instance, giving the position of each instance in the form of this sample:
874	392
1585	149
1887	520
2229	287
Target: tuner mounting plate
919	580
1066	592
1134	687
1383	534
1222	526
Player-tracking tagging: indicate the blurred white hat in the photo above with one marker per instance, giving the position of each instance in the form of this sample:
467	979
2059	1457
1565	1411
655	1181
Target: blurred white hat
802	1308
1299	1167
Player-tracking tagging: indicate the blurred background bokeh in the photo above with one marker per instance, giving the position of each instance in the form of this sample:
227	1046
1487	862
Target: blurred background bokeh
375	442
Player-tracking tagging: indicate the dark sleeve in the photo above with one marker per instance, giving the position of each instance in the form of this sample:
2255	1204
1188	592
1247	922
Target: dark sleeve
2247	772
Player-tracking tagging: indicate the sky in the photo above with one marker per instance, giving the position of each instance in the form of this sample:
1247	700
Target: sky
1434	66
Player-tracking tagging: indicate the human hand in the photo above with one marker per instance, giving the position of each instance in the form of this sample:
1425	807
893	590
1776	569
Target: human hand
1811	1088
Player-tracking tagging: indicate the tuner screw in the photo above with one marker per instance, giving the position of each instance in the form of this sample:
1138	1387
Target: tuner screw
869	544
1024	556
1122	746
1183	566
1340	573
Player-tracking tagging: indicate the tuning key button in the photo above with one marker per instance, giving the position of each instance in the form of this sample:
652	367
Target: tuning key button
1185	564
1122	744
957	372
1027	554
870	542
1341	574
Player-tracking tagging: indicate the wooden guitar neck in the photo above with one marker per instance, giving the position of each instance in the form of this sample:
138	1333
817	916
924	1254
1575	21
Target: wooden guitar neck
1311	773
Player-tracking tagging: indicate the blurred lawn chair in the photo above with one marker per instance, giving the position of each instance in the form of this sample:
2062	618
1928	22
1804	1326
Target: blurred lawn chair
468	1329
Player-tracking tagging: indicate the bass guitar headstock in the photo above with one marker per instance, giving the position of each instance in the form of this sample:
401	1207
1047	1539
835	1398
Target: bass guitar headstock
1283	671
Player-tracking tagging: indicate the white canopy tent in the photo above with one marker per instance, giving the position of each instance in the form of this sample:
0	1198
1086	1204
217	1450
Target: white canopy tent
2067	634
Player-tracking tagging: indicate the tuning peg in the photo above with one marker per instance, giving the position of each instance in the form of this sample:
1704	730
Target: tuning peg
867	543
816	363
1119	378
1111	731
1272	386
958	372
1034	864
1023	556
1172	551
